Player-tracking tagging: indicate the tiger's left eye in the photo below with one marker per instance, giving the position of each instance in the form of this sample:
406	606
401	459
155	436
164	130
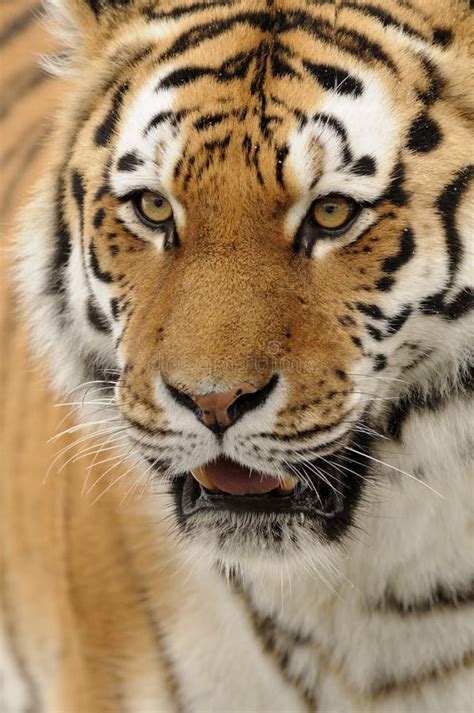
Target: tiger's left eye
333	213
152	208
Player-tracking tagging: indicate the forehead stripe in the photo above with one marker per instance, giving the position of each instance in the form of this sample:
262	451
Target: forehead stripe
351	41
384	18
105	130
181	10
326	120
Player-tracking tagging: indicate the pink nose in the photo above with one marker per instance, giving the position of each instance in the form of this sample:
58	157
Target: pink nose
216	408
220	409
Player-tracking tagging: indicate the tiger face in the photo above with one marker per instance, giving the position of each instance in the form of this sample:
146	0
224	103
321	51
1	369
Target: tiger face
254	232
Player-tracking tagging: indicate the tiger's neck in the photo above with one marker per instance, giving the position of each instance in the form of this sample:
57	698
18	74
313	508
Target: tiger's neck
376	607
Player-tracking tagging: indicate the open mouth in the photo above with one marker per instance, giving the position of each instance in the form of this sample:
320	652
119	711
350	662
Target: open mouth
225	485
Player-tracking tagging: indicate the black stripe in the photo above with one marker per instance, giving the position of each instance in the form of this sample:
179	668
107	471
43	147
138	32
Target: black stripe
274	634
281	153
115	308
105	130
419	400
96	317
104	276
277	641
307	433
446	206
370	310
159	119
184	75
385	284
78	192
441	597
374	332
335	79
396	323
404	254
205	122
435	82
440	669
327	120
385	18
181	10
360	46
280	22
99	6
380	362
461	304
364	166
396	192
101	192
129	162
98	219
63	247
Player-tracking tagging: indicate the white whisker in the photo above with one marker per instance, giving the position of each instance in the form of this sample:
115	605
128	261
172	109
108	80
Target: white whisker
392	467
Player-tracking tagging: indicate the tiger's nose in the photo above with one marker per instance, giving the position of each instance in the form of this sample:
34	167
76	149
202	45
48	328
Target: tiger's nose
220	409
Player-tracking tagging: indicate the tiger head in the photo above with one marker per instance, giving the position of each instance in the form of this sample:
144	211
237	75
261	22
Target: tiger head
252	228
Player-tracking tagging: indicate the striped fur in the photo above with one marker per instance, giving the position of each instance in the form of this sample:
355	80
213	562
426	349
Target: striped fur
242	112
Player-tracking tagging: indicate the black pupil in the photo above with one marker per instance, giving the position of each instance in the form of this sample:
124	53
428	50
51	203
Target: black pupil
158	202
329	208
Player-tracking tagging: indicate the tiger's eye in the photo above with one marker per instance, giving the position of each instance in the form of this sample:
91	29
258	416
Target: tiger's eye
153	208
333	212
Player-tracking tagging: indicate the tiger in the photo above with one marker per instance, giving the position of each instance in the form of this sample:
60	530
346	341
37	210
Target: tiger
246	260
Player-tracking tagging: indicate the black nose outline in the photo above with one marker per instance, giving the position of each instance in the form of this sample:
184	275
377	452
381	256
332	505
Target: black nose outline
242	405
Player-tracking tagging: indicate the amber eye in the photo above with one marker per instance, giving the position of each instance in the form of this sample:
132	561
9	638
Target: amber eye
152	208
333	213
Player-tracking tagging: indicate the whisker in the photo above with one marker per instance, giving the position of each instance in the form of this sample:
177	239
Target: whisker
85	437
306	481
392	467
338	466
380	378
72	413
86	452
114	482
374	397
87	383
81	426
321	475
125	456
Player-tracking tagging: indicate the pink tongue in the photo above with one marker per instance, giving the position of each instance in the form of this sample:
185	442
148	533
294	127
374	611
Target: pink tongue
237	480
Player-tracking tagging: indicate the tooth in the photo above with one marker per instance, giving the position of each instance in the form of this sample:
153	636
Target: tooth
201	477
287	485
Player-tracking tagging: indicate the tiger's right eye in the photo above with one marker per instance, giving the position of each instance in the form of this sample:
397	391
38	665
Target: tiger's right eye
153	209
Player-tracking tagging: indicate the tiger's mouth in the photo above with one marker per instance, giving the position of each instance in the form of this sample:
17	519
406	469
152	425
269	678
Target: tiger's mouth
225	485
196	498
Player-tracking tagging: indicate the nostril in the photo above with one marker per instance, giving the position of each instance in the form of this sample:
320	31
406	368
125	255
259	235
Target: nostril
246	402
220	409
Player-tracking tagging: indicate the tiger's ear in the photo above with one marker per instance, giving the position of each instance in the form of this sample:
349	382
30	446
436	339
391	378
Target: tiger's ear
79	25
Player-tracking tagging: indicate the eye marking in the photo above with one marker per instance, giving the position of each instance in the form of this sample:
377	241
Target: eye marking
152	209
